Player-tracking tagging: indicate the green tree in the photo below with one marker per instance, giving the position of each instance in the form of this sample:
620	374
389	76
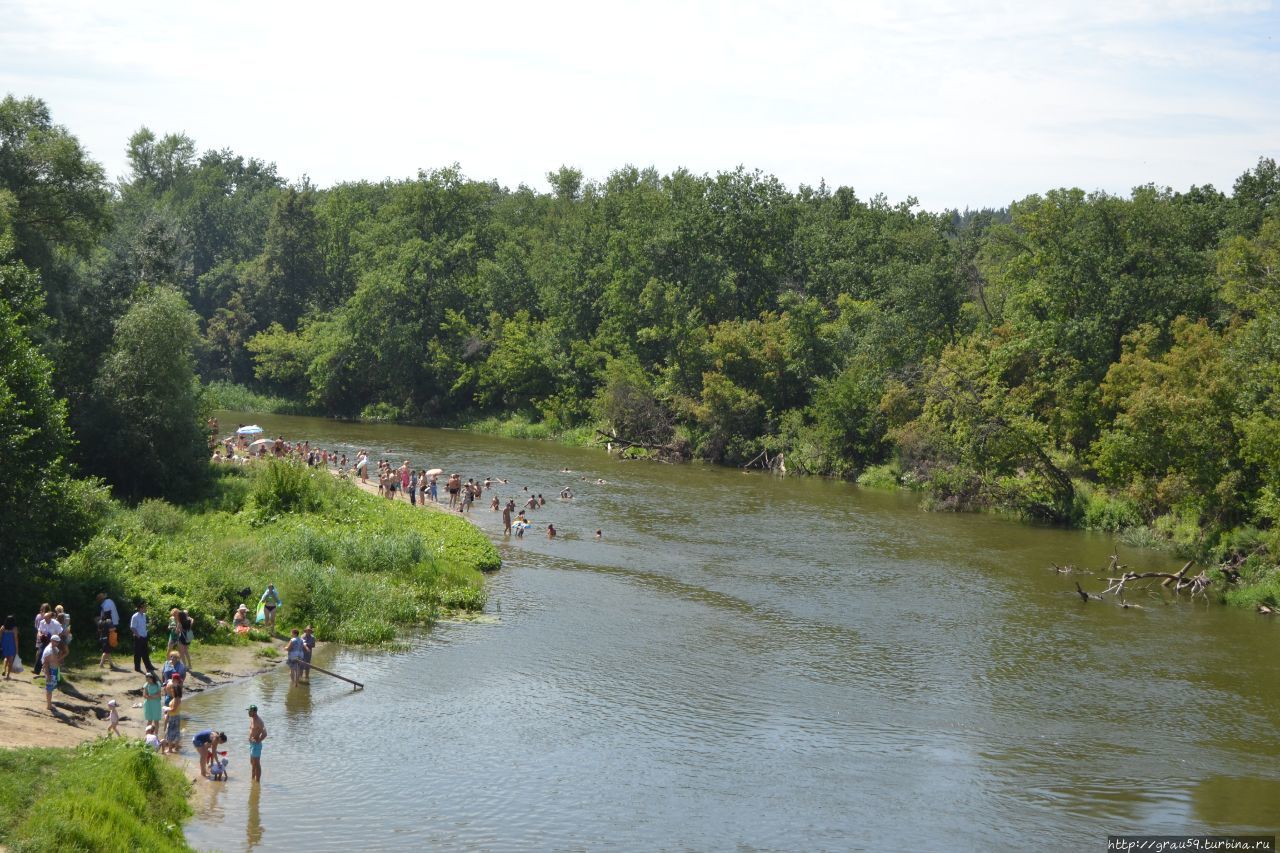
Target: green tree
44	511
148	437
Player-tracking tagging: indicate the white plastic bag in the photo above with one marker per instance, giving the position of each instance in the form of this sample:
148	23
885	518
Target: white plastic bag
17	663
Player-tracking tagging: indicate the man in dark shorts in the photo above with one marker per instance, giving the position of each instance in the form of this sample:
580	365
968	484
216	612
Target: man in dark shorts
206	743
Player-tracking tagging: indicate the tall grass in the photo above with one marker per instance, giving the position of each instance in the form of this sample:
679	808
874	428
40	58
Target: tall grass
237	398
357	568
101	796
520	426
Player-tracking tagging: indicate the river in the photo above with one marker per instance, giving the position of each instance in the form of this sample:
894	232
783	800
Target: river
755	663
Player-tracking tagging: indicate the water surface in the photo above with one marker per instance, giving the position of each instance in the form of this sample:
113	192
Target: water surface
747	662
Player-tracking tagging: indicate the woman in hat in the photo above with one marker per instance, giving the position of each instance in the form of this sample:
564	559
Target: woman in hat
240	624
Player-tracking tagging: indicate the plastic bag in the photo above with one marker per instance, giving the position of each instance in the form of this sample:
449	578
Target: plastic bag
17	663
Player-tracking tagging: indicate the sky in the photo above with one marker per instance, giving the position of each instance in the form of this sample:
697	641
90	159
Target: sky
957	104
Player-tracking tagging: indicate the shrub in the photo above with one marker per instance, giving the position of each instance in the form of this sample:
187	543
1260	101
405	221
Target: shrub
1095	509
160	517
285	487
880	476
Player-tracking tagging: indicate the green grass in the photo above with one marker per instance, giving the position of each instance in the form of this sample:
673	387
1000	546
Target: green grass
520	426
106	796
881	477
357	568
237	398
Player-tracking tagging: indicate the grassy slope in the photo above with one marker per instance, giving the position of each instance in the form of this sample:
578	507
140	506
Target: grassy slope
351	565
103	796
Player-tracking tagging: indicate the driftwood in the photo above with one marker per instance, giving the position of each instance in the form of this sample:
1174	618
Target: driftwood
1178	582
668	450
769	463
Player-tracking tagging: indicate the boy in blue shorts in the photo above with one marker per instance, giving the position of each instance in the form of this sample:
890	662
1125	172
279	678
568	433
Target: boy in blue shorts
257	734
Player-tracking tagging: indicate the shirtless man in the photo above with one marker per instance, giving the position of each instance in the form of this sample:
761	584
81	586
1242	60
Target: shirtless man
257	734
506	517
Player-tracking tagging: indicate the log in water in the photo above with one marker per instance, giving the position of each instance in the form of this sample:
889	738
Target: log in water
744	660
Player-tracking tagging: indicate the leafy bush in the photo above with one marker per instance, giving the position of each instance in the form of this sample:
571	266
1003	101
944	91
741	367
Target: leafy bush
221	394
1097	510
160	517
380	413
880	476
354	566
283	487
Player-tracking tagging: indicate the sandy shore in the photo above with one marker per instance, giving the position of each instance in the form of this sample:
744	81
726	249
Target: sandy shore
372	488
80	702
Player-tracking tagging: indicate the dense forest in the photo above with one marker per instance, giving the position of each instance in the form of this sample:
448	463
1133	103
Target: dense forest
1079	357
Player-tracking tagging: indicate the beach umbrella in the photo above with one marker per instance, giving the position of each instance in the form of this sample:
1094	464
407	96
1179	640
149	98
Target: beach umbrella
252	429
434	472
261	442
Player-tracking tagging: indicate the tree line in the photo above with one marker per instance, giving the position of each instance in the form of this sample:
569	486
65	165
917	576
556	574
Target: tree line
1080	357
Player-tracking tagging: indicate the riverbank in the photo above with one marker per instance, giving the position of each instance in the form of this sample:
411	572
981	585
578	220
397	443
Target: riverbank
80	702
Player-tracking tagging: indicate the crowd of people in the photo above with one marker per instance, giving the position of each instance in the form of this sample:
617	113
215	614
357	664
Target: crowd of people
238	447
161	691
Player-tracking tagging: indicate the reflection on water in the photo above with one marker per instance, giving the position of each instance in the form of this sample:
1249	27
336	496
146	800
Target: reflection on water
771	664
253	831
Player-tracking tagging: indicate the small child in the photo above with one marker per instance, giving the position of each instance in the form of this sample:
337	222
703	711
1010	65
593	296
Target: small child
218	767
113	719
150	738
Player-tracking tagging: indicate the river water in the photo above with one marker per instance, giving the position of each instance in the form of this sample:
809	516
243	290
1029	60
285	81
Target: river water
748	662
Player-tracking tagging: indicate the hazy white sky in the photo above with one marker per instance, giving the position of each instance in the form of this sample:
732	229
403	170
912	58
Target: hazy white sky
955	103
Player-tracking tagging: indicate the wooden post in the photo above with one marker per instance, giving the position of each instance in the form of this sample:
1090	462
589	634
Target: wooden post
357	684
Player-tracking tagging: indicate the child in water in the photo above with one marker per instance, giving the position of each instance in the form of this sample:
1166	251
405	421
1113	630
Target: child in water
218	767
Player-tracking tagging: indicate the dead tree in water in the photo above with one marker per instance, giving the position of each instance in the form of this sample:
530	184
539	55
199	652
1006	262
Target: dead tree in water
666	452
769	463
1178	582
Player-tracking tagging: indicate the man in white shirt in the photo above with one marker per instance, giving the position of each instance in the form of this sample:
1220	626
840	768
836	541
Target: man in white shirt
141	651
106	605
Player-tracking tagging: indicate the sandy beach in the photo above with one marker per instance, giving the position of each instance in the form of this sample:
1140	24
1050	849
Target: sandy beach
80	702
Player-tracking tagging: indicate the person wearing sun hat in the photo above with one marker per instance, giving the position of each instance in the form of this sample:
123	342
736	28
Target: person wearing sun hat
257	734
